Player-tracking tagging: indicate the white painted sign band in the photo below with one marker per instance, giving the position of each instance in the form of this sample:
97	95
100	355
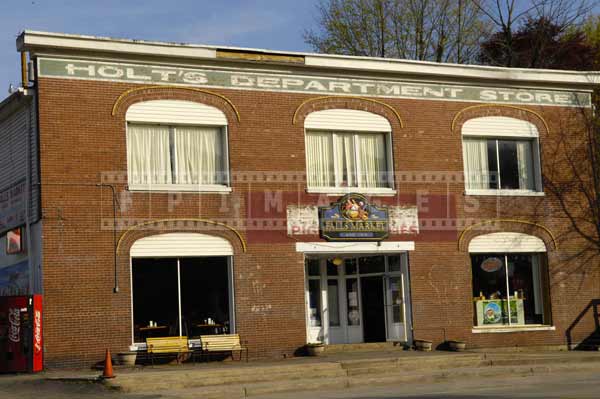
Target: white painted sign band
239	79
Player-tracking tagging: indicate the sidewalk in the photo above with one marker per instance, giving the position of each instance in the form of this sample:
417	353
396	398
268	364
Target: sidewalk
335	371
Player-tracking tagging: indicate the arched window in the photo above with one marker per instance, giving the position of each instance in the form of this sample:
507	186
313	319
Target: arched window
510	280
181	286
176	145
501	156
348	150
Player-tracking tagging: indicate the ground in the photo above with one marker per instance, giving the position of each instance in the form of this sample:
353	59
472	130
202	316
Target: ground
554	385
559	385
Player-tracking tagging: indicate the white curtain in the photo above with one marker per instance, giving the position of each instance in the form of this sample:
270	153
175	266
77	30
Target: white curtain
345	168
319	156
476	164
148	154
372	160
524	157
198	155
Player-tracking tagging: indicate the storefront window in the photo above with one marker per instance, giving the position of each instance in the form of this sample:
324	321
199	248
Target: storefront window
314	299
313	267
350	265
508	289
353	305
332	270
394	263
155	303
397	298
204	296
371	264
180	297
333	305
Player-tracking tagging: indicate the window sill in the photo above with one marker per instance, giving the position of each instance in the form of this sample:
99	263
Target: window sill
337	191
502	193
179	188
511	329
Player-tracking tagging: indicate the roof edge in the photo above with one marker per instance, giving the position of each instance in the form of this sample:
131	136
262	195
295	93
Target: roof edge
10	103
30	40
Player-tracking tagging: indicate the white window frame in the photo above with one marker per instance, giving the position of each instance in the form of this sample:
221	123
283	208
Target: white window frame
189	114
506	243
349	121
504	128
337	174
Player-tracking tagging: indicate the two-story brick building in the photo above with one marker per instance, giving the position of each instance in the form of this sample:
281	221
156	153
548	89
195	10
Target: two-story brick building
182	190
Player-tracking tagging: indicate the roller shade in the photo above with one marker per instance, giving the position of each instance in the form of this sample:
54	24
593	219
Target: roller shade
347	119
506	242
176	112
499	126
180	245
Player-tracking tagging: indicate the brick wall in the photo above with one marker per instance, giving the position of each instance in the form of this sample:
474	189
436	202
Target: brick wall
83	143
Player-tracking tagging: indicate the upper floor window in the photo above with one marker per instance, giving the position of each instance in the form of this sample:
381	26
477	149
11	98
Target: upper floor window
348	150
501	155
176	145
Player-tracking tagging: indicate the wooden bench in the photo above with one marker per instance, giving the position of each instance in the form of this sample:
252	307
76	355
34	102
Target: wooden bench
223	343
166	346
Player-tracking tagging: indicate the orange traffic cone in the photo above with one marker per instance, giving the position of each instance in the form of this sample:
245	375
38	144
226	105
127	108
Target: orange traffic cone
108	368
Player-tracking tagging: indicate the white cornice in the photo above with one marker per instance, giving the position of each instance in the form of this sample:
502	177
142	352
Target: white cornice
35	40
479	72
38	41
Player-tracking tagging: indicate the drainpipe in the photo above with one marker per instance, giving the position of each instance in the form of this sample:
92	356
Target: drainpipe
114	201
24	79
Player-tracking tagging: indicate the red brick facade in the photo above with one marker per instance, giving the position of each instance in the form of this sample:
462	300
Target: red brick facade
82	142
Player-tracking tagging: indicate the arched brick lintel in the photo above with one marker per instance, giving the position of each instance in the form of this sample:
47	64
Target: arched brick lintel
506	225
347	102
148	93
511	111
163	226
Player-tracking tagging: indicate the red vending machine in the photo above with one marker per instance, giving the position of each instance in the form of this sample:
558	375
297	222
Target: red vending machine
21	334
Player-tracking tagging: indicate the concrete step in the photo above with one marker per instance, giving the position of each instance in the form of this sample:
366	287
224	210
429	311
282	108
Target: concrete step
190	377
421	377
319	374
409	365
364	347
539	360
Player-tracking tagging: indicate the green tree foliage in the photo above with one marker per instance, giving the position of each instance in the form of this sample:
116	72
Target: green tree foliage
434	30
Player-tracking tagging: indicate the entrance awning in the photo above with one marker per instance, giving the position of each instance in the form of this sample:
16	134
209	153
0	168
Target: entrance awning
355	247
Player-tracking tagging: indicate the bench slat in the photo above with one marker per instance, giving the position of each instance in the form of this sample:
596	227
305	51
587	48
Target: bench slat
215	343
167	345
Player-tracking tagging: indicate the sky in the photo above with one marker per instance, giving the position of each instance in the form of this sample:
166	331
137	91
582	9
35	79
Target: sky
271	24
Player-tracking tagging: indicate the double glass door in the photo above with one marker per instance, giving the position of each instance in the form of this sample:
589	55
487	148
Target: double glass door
353	299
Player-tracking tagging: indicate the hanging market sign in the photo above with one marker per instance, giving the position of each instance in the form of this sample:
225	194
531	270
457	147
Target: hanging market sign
353	219
491	265
239	79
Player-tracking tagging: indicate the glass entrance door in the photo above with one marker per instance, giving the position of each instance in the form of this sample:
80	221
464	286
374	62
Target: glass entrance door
360	299
395	308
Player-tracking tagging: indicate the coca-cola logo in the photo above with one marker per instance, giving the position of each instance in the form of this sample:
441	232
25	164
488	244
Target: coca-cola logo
37	331
14	325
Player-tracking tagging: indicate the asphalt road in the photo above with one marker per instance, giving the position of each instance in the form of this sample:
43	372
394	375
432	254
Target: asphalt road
556	385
